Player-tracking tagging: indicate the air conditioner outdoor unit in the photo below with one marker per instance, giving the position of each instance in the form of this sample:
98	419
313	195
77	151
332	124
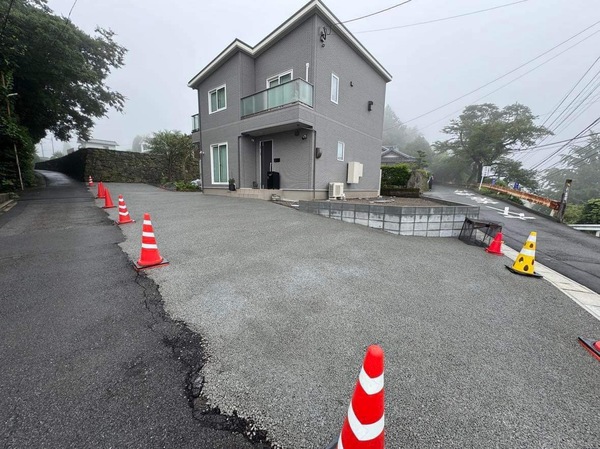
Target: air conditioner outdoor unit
336	189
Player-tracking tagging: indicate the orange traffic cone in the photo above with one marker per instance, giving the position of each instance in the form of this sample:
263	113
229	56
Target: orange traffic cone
124	217
496	245
90	181
100	193
363	427
593	347
108	204
149	256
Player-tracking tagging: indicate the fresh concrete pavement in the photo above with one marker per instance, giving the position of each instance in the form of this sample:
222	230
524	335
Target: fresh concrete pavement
287	303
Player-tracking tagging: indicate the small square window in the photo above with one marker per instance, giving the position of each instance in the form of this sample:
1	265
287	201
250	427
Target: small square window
335	88
217	99
340	151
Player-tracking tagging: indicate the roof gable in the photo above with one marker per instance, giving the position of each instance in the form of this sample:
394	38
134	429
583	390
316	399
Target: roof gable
313	7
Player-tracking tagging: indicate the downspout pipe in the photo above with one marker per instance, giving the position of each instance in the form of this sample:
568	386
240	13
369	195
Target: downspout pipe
314	151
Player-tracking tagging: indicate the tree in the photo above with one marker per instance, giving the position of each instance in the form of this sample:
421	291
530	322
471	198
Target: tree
177	152
591	212
58	71
513	171
136	145
582	165
395	132
483	134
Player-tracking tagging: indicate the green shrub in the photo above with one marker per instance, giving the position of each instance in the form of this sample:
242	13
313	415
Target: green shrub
395	175
591	212
185	186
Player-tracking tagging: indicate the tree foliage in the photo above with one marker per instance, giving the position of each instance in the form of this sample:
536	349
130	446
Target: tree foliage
513	171
59	72
591	212
484	133
177	152
582	165
395	175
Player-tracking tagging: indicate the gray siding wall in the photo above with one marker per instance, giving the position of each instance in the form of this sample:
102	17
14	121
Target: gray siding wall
249	162
291	52
247	77
359	147
228	74
295	158
339	58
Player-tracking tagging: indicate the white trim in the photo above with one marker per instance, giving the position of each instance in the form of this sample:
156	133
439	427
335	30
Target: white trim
337	90
291	72
212	165
320	8
371	385
337	154
216	91
364	432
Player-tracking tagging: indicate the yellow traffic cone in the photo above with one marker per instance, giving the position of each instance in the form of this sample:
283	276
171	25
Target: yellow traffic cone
526	258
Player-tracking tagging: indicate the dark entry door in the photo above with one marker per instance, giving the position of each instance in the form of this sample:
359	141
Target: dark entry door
266	161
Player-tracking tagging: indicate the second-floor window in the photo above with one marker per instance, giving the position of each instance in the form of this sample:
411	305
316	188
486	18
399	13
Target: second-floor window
279	79
340	151
217	99
335	88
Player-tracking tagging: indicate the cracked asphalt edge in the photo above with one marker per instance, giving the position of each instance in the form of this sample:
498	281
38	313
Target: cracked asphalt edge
188	348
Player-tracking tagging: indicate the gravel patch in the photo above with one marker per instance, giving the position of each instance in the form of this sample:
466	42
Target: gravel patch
288	302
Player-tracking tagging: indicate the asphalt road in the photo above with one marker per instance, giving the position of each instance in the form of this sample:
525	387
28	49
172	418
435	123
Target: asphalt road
572	253
476	356
87	357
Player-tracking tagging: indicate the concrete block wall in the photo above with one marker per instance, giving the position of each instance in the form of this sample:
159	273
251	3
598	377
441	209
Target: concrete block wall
441	221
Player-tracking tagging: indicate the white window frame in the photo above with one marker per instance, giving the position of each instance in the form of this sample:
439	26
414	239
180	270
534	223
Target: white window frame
212	165
335	91
216	90
278	77
343	146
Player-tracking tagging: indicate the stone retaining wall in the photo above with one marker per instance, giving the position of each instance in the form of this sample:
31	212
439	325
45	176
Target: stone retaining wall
442	221
108	166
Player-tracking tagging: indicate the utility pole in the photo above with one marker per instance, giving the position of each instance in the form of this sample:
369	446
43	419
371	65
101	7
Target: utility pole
563	200
14	144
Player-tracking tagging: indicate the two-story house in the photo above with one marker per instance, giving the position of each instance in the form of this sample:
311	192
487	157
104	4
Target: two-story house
298	111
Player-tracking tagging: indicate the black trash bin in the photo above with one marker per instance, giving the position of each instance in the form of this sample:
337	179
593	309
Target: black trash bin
273	180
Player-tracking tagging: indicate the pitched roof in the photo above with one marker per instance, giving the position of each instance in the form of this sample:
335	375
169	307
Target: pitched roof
314	6
392	152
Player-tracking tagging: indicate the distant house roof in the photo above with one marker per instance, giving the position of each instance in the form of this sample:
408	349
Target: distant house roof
392	155
310	8
97	143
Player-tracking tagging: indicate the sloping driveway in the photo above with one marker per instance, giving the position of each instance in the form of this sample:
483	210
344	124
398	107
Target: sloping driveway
475	355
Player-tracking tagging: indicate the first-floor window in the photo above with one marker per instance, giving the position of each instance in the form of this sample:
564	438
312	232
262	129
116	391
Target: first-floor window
340	151
220	168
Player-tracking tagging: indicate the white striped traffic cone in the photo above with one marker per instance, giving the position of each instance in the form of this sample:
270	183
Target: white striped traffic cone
363	427
124	217
149	255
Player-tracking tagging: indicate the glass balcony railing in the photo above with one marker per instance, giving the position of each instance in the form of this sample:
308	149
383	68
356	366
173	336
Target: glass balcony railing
195	123
295	91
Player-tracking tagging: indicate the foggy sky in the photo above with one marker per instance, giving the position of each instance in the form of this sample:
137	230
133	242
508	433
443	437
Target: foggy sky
169	42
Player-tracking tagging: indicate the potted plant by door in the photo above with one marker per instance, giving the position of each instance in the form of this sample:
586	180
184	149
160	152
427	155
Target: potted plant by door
232	184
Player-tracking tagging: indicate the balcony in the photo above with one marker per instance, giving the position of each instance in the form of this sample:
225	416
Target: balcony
292	92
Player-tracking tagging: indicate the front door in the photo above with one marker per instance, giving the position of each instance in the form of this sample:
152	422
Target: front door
266	161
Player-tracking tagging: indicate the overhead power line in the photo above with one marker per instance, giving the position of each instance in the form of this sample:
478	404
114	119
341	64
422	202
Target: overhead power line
499	88
566	144
441	19
507	73
71	10
375	13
